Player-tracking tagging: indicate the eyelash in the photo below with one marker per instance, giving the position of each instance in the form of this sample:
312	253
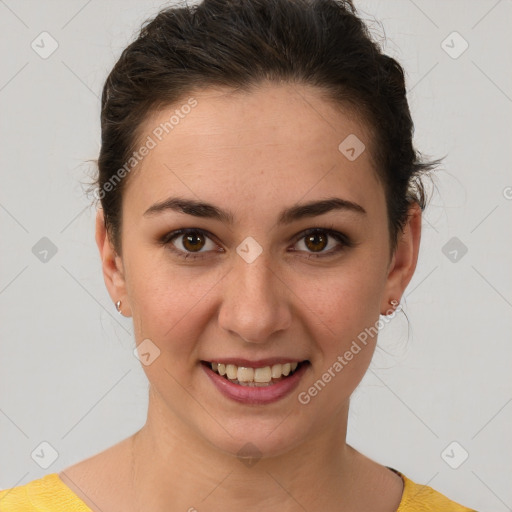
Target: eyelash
167	240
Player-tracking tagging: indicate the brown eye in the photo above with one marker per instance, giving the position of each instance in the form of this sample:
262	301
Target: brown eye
316	241
193	241
190	243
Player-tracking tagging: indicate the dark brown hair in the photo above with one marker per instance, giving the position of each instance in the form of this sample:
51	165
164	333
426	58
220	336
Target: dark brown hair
241	43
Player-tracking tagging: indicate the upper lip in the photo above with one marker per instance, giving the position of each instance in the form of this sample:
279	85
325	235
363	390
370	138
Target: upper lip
259	363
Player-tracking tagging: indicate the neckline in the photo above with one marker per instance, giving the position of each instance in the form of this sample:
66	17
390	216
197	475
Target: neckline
72	499
405	489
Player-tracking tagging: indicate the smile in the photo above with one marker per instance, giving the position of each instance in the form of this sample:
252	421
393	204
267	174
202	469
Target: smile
255	382
255	377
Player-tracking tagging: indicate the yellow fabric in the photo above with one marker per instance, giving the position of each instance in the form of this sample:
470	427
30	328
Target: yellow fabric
47	494
51	494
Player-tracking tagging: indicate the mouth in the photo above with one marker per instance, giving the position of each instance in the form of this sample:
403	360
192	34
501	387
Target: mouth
260	376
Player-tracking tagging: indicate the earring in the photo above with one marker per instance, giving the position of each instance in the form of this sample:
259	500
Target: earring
394	304
118	306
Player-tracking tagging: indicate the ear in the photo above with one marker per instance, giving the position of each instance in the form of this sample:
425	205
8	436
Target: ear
405	257
112	265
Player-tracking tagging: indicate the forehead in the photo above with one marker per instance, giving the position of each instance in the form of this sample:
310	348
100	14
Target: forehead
276	143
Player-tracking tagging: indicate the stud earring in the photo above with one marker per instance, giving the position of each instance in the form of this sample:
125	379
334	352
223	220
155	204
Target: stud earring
394	304
118	306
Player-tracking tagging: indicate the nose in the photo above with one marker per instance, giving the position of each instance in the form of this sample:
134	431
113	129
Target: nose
254	301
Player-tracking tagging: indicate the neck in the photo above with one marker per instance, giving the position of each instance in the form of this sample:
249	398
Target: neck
175	469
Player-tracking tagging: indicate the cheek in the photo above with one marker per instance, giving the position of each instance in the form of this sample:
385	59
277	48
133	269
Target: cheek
170	304
349	300
345	339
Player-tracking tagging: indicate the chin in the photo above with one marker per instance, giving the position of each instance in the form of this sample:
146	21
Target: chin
258	436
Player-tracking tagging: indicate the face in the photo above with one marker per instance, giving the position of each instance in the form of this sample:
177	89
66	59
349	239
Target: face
265	282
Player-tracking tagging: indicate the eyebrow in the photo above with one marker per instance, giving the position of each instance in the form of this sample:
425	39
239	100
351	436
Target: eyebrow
287	216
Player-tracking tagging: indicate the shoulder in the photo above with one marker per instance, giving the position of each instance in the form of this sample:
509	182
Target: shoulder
422	498
46	493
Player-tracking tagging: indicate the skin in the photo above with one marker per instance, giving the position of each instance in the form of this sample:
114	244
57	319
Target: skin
253	153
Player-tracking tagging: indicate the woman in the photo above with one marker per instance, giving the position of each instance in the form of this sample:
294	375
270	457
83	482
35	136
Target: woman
261	206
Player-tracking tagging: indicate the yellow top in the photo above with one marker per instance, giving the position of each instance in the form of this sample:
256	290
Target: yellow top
51	494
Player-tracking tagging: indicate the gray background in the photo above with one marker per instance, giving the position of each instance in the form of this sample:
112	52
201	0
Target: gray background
68	375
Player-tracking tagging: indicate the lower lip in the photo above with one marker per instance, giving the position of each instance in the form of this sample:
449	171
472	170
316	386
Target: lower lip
256	395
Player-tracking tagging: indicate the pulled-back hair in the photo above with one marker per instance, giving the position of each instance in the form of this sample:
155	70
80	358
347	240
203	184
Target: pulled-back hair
241	43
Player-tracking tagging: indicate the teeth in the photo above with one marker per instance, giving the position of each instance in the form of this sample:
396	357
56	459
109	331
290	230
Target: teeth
245	374
263	374
254	376
276	371
231	371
